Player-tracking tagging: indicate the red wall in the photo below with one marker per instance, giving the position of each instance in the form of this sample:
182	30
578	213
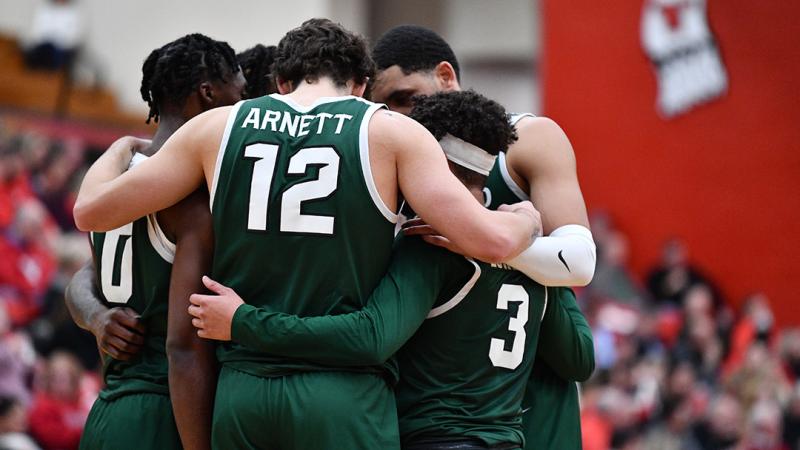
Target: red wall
725	176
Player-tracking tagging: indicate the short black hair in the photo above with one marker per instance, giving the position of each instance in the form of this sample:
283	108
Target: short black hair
320	47
468	116
170	73
256	64
413	48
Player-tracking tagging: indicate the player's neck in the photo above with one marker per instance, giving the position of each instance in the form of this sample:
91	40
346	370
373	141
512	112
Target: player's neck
167	125
307	93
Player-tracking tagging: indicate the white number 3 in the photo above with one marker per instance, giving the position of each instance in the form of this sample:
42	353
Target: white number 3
499	356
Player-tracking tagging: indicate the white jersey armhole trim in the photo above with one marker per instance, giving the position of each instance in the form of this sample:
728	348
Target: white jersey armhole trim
366	168
518	191
517	117
544	309
221	153
453	302
162	245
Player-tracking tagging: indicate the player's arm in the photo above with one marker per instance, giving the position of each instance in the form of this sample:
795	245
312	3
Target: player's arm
118	330
442	201
192	364
110	196
399	304
544	159
565	338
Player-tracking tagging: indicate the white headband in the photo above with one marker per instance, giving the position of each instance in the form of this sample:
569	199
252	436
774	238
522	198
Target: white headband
467	155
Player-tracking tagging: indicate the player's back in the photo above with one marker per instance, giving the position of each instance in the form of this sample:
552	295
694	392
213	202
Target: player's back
134	263
465	370
299	225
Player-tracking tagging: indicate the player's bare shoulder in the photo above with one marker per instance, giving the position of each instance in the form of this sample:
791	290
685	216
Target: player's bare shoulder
542	144
390	130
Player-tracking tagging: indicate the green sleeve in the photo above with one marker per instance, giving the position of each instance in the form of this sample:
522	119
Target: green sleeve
418	273
565	338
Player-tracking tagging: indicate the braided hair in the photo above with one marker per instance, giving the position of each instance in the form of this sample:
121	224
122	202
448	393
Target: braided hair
256	66
170	73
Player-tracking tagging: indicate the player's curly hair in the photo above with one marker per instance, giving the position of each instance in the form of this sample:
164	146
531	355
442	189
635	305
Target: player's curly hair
320	47
466	115
170	73
256	64
413	48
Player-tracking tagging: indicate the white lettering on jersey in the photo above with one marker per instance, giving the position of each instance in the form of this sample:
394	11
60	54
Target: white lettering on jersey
293	124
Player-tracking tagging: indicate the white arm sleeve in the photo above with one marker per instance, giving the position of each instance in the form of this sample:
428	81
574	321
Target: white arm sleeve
564	258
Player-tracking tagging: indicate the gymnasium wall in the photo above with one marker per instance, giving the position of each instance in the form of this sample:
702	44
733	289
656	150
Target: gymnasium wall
724	173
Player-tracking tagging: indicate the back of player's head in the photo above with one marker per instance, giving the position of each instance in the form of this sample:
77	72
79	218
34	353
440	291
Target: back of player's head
468	116
170	73
321	48
413	48
256	64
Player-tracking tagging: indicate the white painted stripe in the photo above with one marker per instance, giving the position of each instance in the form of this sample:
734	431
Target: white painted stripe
366	168
159	240
518	191
453	302
221	153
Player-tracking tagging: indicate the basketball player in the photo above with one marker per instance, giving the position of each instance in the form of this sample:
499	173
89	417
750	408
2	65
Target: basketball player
255	63
127	308
464	371
303	192
413	60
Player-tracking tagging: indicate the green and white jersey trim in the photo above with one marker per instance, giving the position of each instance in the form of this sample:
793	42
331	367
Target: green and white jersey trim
516	117
366	168
221	153
161	244
512	185
460	295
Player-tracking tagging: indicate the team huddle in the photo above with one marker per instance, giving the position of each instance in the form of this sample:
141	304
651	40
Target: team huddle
327	248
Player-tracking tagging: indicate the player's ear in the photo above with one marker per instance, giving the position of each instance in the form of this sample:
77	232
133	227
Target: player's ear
358	89
284	86
446	76
206	94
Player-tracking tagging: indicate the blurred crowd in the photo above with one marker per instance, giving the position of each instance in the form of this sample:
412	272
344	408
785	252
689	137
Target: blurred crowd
677	368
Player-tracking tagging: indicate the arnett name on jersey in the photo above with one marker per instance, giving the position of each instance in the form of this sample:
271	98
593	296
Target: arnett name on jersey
295	124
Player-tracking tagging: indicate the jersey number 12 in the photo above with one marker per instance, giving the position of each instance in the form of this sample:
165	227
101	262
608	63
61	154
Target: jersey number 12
291	220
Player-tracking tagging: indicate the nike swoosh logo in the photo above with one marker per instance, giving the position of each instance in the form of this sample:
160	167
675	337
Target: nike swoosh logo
561	258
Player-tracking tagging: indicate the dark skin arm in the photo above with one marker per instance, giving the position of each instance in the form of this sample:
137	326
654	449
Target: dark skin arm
192	363
118	331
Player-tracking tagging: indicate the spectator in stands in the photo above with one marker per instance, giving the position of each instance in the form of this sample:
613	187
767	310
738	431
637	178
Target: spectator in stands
669	281
13	426
16	361
613	280
721	428
764	428
55	36
28	262
791	421
58	413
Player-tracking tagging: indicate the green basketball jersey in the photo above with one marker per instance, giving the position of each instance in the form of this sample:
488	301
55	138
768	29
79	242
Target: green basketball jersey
464	372
134	263
299	225
552	411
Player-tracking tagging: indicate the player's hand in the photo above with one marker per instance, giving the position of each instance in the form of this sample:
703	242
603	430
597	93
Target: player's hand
212	315
418	227
526	208
119	333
